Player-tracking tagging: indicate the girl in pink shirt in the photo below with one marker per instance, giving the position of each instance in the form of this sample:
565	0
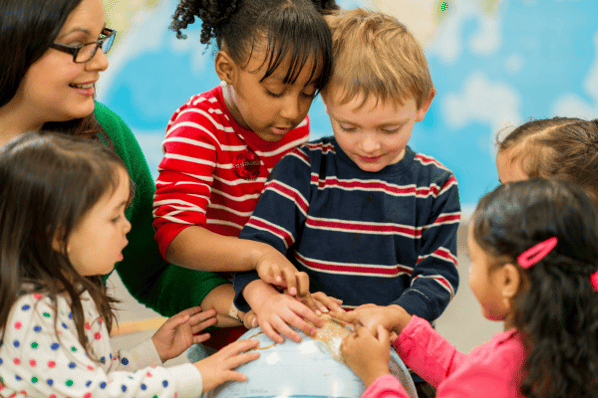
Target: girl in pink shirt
534	265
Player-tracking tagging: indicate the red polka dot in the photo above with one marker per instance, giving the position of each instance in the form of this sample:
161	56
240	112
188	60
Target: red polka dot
87	326
87	395
18	325
1	386
37	296
148	374
16	361
32	362
51	364
97	336
52	396
24	393
100	321
89	367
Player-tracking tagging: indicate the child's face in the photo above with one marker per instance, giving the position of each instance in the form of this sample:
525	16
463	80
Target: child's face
96	244
57	89
269	108
484	283
374	135
509	170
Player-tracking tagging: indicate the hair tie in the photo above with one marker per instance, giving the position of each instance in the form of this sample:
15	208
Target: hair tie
537	252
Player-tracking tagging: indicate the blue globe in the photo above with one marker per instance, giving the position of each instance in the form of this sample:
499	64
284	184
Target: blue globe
311	368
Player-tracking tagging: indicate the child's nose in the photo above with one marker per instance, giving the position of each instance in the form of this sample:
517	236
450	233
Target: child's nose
291	108
369	143
127	226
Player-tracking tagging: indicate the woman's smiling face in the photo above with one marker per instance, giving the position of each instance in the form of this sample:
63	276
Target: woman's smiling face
57	89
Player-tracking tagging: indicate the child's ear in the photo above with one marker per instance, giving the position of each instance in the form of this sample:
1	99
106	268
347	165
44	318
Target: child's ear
510	281
225	66
421	112
58	245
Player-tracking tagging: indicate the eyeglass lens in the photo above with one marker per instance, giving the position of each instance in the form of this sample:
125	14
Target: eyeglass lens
88	51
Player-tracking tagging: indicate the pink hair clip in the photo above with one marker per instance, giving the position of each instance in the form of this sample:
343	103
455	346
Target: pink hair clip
537	252
594	280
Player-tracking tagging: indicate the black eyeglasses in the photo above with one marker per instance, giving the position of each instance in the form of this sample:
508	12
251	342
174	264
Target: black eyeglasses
87	51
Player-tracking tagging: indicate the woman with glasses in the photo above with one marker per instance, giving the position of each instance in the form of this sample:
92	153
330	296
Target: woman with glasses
52	53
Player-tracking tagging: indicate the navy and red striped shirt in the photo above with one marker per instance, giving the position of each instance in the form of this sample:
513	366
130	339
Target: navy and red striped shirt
388	237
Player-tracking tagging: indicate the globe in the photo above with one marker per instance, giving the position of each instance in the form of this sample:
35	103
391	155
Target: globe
310	368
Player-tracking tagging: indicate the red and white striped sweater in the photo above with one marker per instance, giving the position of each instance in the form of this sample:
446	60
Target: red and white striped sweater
213	170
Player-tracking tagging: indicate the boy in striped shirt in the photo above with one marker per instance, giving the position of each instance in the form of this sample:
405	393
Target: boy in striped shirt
367	218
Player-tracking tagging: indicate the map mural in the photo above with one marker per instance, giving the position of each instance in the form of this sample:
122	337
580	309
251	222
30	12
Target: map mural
495	64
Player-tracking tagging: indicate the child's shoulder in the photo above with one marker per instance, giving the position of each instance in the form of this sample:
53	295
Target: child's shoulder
313	152
429	167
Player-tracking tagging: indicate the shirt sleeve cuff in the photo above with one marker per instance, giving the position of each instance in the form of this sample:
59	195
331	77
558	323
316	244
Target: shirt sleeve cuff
189	380
145	354
240	280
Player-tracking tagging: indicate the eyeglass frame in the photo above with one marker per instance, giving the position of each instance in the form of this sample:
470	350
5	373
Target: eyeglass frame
74	50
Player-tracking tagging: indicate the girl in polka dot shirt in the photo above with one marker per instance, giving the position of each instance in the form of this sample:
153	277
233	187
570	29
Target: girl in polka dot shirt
62	203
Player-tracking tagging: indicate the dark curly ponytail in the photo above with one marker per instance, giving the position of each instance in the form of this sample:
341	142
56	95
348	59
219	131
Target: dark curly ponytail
556	310
290	27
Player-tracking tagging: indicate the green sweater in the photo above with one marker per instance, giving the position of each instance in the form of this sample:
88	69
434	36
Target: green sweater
165	288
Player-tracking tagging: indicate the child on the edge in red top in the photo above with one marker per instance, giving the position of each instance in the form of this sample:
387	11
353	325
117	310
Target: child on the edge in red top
274	56
62	226
534	265
366	217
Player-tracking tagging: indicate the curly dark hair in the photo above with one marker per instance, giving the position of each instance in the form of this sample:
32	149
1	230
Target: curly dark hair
556	309
561	147
288	26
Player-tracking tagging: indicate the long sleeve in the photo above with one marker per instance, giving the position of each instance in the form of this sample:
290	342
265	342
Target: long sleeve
280	213
165	288
494	366
39	360
435	278
383	238
213	170
385	387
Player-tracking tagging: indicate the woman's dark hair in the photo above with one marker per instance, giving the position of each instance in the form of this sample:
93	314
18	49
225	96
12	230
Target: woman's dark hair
556	309
27	28
289	26
561	147
48	182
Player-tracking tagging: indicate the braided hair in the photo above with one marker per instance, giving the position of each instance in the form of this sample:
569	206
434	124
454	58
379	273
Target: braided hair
556	308
294	27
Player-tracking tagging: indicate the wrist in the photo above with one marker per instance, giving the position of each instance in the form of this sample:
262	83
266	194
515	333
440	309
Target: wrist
257	292
400	318
156	346
372	376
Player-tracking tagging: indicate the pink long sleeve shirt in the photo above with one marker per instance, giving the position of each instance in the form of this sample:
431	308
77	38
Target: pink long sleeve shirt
490	370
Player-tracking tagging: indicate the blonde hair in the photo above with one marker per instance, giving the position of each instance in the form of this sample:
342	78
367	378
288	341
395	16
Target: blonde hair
561	148
375	55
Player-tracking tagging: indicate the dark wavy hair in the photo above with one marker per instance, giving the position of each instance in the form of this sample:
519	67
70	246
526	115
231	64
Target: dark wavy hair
48	182
556	309
289	26
561	147
27	28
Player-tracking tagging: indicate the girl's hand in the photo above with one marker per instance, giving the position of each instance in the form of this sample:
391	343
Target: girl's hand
217	368
181	331
366	354
277	312
321	303
275	269
392	317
